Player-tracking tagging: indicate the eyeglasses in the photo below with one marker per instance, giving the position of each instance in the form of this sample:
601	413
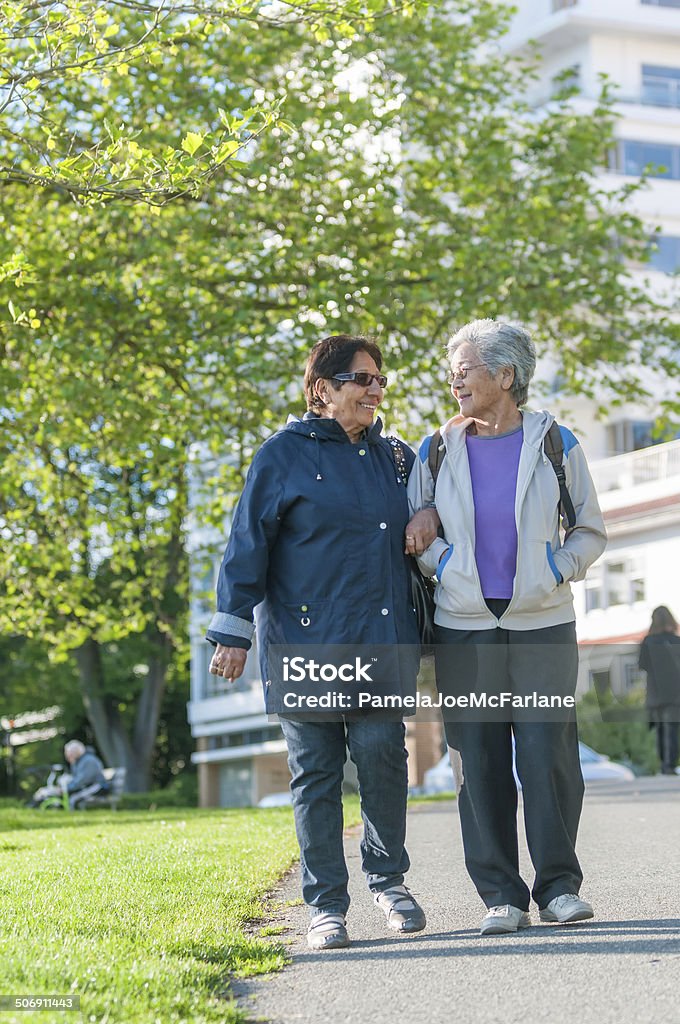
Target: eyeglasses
462	372
362	378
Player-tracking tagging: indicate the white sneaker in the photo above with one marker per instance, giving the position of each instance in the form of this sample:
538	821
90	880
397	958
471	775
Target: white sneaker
505	919
567	908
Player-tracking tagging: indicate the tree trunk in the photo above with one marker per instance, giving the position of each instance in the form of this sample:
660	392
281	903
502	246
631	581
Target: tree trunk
148	712
107	724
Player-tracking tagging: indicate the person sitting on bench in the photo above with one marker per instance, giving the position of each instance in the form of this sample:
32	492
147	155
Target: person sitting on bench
87	775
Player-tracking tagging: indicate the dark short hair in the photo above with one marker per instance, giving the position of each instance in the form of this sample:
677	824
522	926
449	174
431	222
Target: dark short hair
334	355
662	621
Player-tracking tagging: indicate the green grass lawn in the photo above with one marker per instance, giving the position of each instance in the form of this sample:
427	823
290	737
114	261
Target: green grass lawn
145	914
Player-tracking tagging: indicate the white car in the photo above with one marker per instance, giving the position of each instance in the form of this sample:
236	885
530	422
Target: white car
283	799
594	766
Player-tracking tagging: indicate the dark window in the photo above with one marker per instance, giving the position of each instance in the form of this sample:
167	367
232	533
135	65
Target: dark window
630	436
600	680
629	157
593	596
665	253
660	85
661	3
661	159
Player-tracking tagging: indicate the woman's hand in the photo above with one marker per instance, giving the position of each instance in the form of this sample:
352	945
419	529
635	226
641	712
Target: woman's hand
421	531
228	662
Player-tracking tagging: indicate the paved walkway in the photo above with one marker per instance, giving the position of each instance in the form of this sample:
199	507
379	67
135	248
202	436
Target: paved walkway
624	968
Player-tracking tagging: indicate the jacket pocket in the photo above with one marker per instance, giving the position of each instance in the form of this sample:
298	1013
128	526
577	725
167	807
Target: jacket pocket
458	591
311	622
443	562
551	562
537	586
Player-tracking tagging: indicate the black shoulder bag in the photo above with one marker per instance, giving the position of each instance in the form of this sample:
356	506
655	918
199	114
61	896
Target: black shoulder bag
422	587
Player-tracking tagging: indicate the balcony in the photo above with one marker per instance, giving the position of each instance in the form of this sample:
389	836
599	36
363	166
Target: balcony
657	465
213	709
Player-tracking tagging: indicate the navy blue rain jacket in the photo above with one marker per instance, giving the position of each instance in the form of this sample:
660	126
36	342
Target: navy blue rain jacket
318	538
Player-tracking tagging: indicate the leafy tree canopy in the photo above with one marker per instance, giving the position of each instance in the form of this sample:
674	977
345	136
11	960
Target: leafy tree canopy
73	79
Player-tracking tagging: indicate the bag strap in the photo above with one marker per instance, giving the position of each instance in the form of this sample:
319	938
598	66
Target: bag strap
435	454
553	446
399	459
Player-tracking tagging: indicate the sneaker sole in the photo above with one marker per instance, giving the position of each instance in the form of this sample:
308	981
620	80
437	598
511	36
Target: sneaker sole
339	943
578	915
499	929
407	928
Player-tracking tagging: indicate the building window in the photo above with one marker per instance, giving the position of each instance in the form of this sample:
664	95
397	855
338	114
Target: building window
636	435
600	681
658	159
559	5
245	738
633	677
629	436
594	590
661	3
665	253
615	583
660	86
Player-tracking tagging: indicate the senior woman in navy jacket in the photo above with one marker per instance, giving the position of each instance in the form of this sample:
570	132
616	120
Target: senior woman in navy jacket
318	540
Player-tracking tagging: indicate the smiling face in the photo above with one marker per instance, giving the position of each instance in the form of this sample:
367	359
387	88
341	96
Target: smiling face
352	406
484	397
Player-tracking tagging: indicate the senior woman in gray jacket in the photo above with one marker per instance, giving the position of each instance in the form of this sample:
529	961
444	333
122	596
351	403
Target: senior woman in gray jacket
505	622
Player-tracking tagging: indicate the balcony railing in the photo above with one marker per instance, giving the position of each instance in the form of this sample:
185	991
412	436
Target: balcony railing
646	466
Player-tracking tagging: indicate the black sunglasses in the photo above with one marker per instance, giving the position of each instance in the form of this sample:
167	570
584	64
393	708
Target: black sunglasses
362	378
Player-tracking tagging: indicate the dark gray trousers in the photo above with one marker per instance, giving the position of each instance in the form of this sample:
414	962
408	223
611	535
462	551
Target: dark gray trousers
544	661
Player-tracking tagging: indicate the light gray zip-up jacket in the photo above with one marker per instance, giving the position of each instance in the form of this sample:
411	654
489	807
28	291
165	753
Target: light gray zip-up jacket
548	558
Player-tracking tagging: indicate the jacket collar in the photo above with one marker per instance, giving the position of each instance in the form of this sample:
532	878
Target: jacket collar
535	426
326	429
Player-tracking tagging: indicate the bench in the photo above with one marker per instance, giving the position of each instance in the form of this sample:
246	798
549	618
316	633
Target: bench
116	780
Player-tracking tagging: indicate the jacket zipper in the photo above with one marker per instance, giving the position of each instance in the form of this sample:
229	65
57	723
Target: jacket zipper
519	505
469	508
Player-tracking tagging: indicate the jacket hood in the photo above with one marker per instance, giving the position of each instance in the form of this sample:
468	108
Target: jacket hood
534	424
323	428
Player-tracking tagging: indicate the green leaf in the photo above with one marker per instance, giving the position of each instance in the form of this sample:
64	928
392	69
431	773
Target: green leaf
191	142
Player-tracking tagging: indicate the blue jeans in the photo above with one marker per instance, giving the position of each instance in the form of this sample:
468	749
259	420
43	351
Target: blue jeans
316	756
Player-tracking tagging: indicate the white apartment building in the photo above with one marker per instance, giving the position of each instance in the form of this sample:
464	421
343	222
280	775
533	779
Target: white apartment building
636	44
240	753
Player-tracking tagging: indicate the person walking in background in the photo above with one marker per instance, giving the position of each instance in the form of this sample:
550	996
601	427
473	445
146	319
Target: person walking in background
505	618
660	659
318	539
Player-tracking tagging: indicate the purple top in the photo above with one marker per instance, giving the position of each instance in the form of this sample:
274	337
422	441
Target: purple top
494	462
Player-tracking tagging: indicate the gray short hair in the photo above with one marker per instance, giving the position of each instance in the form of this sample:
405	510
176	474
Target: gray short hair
74	747
499	345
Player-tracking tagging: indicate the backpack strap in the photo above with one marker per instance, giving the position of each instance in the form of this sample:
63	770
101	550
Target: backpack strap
399	456
553	447
435	454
